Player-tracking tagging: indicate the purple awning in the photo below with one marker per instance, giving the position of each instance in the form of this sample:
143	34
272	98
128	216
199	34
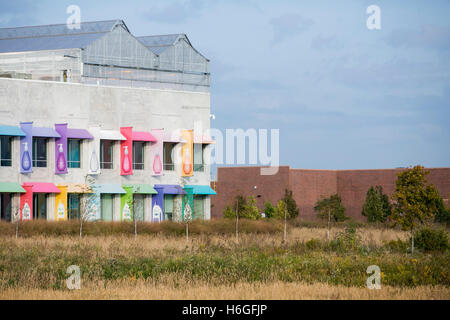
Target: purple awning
45	132
78	134
170	188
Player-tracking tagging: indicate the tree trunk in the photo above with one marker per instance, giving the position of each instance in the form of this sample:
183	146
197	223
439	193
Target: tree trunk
135	229
328	231
237	222
187	233
412	241
285	218
17	229
81	228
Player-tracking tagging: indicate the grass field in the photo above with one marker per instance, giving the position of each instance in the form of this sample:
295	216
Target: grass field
160	264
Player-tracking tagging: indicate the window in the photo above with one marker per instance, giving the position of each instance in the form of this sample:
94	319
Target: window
5	155
107	207
138	155
5	206
138	207
40	152
168	159
73	203
199	212
106	154
40	206
73	153
198	156
168	206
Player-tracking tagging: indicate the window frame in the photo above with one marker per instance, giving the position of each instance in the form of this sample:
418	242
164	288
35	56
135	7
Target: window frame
35	146
70	162
168	166
3	159
138	165
168	215
199	167
102	162
70	208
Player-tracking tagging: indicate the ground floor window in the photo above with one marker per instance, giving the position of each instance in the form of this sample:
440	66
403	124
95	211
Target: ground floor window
5	206
40	206
138	207
107	207
73	206
168	206
199	205
5	151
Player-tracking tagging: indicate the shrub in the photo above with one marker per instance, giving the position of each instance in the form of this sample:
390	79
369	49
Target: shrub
313	244
398	245
291	205
429	239
333	206
377	206
246	209
442	214
269	209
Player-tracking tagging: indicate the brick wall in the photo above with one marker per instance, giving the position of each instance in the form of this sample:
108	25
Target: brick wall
309	185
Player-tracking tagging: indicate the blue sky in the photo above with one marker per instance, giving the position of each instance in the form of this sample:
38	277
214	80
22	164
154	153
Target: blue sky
343	96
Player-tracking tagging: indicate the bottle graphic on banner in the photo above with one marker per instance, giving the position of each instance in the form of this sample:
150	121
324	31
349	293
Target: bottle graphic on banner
61	212
126	213
61	161
187	165
126	165
26	212
157	166
93	163
157	213
26	159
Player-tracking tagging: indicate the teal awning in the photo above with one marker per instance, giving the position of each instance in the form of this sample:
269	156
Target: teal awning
204	189
11	131
108	188
12	187
141	188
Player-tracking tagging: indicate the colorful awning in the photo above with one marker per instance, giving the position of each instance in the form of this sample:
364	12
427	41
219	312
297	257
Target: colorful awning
201	189
141	188
203	139
78	134
42	187
12	187
174	136
111	135
78	188
45	132
108	188
170	188
143	136
11	131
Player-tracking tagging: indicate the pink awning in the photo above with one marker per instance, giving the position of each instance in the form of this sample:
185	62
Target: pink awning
42	187
143	136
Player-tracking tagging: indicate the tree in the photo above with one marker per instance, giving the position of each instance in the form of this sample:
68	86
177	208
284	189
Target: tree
442	214
414	200
291	205
377	206
330	208
88	209
245	208
269	209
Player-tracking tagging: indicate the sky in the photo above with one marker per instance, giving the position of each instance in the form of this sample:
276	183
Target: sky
342	96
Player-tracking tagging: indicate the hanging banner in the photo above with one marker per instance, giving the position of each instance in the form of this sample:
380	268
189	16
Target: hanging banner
187	153
26	203
126	151
126	204
93	155
61	204
187	204
61	149
156	152
158	205
26	147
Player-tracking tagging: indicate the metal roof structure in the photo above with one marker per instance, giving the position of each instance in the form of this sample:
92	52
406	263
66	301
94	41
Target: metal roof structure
54	37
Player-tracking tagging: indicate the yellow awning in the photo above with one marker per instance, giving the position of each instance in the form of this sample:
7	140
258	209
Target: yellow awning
78	188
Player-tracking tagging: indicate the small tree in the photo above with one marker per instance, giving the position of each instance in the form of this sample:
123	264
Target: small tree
414	201
243	208
269	209
187	216
330	208
377	206
86	211
442	214
291	205
280	210
137	207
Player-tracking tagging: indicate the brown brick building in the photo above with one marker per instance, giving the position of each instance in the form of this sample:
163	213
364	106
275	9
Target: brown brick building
309	185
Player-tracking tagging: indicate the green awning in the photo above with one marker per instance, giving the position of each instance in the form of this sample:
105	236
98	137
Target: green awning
12	187
108	188
141	188
203	189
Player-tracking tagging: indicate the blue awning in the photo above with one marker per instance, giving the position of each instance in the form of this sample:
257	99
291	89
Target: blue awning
170	188
11	131
108	188
203	189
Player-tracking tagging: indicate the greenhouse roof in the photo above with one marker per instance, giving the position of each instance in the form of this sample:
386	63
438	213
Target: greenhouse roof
53	37
160	43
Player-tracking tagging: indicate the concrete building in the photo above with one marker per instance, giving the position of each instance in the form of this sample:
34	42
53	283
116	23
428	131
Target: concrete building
308	186
97	123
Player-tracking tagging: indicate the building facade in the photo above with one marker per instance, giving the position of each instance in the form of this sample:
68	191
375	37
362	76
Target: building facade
308	186
99	125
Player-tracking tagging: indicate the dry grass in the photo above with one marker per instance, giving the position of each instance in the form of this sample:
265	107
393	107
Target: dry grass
142	290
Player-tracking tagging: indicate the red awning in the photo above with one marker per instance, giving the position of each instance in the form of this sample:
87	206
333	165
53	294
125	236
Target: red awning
42	187
143	136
